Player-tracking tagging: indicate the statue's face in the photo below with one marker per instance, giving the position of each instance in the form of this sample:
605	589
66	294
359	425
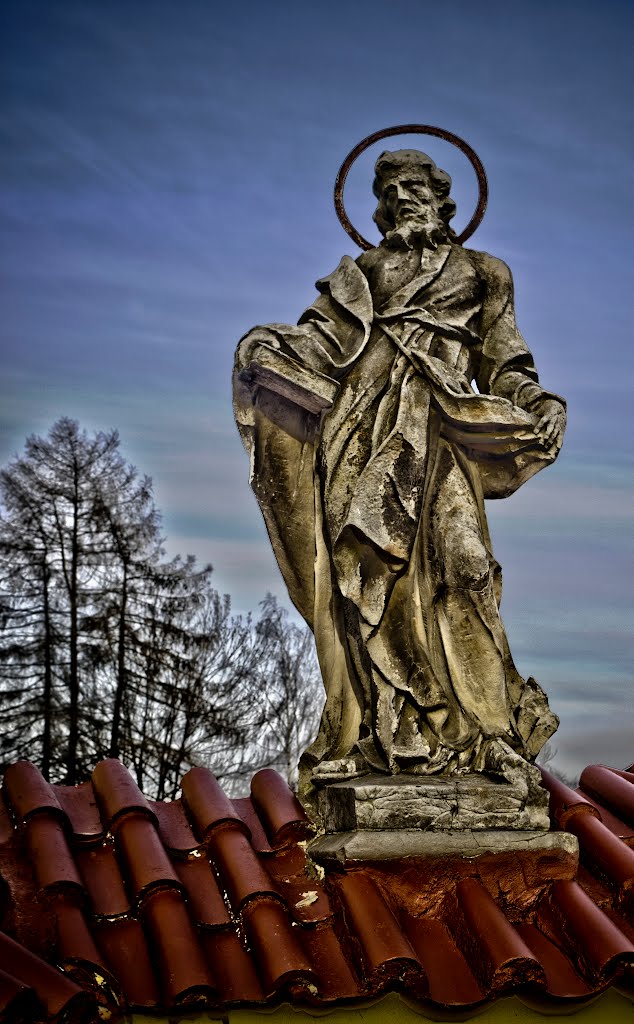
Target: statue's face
408	197
411	205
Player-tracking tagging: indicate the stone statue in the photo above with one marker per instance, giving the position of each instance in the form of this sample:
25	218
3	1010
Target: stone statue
376	428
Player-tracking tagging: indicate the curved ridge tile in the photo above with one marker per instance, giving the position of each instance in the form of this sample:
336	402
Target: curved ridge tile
53	988
374	926
504	958
565	801
279	809
207	803
239	867
116	791
180	963
610	854
279	957
101	875
451	982
28	791
613	789
49	853
597	938
146	862
206	904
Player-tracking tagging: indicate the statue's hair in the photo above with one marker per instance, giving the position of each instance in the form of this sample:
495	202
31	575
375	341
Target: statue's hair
439	181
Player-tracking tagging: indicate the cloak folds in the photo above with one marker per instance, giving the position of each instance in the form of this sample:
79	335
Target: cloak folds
375	508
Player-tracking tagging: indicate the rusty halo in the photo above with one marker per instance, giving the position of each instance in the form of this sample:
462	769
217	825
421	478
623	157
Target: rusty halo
411	129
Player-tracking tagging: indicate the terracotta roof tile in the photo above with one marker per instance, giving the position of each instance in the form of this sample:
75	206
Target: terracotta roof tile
207	803
100	871
139	848
234	967
450	978
242	873
206	904
117	792
53	989
183	970
27	791
503	958
278	808
279	956
373	924
600	846
614	789
588	929
74	938
173	827
49	852
210	902
125	947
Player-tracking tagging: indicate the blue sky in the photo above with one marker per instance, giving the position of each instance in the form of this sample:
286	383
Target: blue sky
166	183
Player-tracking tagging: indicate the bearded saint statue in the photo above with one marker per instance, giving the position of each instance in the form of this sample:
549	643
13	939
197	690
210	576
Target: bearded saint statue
376	428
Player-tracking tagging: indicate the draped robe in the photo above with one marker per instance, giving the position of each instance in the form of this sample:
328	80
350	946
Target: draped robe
377	518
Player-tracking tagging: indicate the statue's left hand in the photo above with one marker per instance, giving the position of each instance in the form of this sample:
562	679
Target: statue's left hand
551	423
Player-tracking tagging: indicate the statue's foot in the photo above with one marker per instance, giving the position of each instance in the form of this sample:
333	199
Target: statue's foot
502	761
342	768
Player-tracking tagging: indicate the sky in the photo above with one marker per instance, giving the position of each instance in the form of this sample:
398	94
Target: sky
166	175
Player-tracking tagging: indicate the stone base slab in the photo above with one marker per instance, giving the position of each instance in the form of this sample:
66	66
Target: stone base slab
546	847
460	803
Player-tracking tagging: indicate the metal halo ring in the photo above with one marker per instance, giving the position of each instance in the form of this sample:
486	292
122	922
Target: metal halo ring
411	129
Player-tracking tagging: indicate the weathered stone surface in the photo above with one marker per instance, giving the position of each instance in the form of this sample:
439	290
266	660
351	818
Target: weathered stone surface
376	427
346	847
470	803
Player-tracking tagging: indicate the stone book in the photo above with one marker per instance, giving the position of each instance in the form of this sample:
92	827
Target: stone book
283	375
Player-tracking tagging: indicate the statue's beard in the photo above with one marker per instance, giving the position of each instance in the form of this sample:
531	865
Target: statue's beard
418	231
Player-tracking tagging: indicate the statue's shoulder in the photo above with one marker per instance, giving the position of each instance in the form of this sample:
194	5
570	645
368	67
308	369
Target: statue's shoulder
494	272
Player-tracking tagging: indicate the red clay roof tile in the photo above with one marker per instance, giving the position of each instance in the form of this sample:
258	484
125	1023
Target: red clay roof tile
562	980
230	911
117	792
125	947
372	922
141	851
101	874
53	988
603	849
173	827
564	801
613	789
239	868
182	967
28	791
80	807
599	940
206	904
49	852
449	977
504	958
278	953
234	967
206	802
74	938
278	808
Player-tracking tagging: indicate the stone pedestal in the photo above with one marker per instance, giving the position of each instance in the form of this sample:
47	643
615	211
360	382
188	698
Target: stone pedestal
430	804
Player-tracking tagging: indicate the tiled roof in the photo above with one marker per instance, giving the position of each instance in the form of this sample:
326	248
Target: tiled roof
211	902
